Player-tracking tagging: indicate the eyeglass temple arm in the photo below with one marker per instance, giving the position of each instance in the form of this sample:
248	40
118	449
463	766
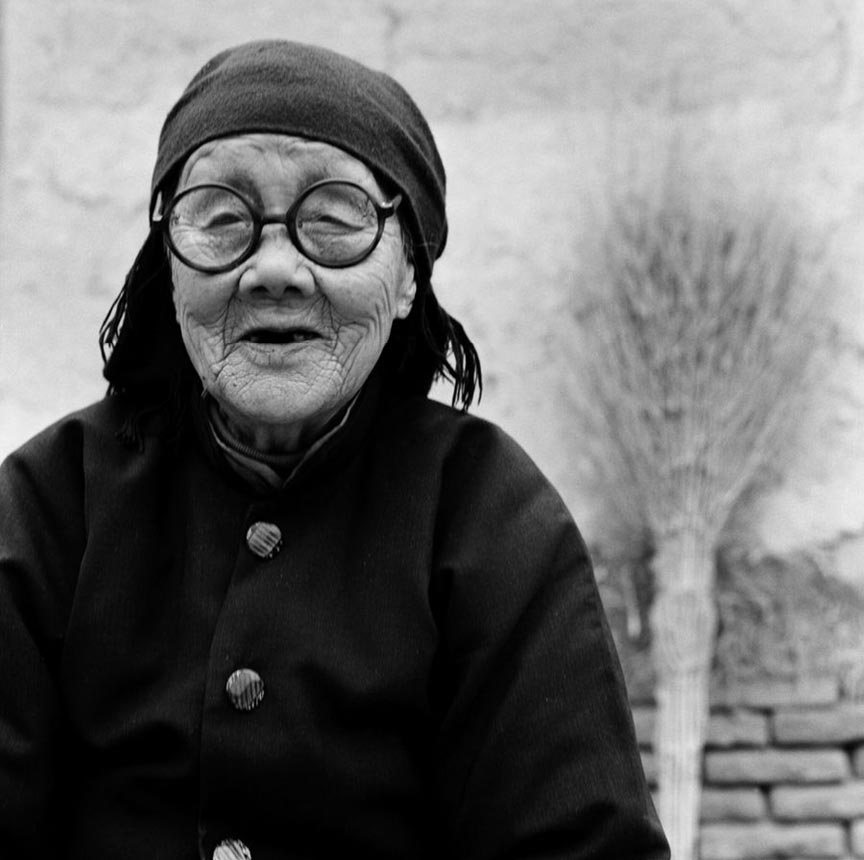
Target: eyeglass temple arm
156	210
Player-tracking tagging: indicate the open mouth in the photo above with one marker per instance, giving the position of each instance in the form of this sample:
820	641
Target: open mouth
267	335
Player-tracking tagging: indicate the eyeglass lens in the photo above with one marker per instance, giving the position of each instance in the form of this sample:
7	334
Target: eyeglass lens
213	227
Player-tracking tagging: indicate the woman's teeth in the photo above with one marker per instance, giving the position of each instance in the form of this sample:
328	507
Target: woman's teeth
293	336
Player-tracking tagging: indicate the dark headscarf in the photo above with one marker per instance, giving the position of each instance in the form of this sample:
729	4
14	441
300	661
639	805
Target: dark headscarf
290	88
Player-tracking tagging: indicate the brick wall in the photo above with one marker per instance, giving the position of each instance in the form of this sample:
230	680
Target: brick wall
783	772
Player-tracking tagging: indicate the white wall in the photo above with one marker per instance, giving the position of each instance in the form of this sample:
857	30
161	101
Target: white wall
533	104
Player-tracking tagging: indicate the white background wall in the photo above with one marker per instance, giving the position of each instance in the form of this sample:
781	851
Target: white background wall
534	103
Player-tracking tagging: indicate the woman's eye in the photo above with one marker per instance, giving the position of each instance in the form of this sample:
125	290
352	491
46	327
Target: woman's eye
343	218
216	220
326	219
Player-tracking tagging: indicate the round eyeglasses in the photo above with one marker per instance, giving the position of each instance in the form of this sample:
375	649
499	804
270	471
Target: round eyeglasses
213	227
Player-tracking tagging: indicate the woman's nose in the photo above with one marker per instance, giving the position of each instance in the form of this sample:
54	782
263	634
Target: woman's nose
277	267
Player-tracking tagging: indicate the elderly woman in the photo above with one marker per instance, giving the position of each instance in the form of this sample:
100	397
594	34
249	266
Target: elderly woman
266	599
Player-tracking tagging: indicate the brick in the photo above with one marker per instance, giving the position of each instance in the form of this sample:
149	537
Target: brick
858	761
856	838
733	804
644	719
754	767
778	693
818	803
738	728
842	724
649	765
757	841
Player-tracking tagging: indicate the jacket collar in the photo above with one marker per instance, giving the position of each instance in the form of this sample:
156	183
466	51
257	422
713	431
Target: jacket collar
327	454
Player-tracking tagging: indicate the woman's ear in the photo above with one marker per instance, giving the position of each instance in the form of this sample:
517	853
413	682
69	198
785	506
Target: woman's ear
406	293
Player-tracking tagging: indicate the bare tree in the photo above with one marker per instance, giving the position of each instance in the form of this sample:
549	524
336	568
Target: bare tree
696	345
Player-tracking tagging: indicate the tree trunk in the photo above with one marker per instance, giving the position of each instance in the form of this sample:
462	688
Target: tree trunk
684	623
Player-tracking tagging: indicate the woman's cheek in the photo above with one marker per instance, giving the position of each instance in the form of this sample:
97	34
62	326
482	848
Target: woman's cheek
205	344
368	302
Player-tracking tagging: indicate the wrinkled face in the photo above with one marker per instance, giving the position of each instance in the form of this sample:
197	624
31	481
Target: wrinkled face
280	342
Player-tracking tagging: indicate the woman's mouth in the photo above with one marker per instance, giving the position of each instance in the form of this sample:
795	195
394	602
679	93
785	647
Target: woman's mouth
284	336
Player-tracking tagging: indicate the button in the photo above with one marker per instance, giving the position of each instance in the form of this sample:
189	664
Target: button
264	539
232	849
245	689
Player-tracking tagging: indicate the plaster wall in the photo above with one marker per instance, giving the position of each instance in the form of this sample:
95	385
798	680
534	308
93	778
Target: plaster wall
534	104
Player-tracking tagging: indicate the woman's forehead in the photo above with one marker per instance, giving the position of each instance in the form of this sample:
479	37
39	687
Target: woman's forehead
271	155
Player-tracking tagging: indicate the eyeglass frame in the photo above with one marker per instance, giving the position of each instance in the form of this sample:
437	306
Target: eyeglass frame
385	210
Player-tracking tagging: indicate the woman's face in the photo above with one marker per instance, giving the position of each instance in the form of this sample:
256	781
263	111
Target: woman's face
280	342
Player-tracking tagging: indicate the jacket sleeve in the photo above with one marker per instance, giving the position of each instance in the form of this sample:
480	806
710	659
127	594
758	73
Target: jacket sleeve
41	539
538	756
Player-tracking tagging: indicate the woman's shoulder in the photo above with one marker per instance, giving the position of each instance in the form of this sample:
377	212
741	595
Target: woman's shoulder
43	483
432	419
469	454
91	431
436	426
101	419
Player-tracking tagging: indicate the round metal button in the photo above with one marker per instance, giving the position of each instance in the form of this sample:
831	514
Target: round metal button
264	539
245	689
231	849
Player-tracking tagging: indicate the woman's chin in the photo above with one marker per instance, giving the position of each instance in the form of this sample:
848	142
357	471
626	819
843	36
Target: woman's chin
282	419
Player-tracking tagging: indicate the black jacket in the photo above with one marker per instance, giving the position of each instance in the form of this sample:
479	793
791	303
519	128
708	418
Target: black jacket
439	680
